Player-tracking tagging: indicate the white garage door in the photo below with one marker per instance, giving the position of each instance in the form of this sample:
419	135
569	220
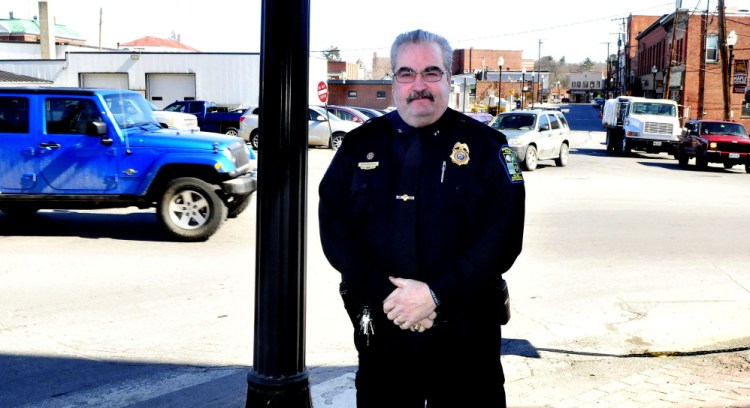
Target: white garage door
98	80
163	89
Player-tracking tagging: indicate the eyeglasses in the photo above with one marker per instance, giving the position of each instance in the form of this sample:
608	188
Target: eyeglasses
407	76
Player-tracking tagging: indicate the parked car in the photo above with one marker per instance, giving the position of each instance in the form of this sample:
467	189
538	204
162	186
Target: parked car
714	141
535	135
370	113
483	117
174	120
324	128
79	148
347	113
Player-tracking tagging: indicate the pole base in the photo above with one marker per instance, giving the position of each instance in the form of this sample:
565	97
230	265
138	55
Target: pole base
287	392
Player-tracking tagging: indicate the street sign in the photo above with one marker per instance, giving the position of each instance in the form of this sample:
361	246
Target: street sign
322	91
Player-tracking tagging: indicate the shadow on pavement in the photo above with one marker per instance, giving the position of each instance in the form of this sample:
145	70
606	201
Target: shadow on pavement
40	381
138	226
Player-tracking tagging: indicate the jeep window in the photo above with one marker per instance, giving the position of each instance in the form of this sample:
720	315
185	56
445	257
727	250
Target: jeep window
129	110
70	115
14	115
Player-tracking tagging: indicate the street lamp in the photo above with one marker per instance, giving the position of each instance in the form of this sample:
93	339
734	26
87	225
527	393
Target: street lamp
654	70
523	88
500	63
731	41
533	89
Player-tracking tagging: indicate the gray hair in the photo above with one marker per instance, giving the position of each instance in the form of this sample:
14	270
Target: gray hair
421	36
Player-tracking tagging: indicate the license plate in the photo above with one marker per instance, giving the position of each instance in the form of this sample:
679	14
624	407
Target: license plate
657	143
734	155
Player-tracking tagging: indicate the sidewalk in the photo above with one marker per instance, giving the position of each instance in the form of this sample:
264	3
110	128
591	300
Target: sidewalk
718	378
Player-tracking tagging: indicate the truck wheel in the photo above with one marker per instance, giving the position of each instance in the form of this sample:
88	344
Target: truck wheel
682	158
562	161
624	146
190	209
238	205
231	131
531	159
701	161
747	168
336	140
610	141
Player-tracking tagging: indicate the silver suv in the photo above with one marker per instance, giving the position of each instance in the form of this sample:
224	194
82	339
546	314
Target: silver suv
535	135
324	129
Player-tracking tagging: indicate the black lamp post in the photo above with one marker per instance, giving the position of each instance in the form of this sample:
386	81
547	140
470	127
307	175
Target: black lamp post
523	88
500	63
654	70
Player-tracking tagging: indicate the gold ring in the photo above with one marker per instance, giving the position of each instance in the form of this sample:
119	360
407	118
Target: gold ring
416	327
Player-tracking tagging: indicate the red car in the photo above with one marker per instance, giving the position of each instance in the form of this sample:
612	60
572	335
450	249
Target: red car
714	141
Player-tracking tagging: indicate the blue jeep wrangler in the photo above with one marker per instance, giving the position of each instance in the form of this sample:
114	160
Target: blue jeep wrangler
73	148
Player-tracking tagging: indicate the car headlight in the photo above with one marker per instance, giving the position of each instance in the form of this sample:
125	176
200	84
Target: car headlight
515	141
713	145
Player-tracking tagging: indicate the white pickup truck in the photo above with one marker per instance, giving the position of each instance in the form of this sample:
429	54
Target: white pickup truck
175	120
636	123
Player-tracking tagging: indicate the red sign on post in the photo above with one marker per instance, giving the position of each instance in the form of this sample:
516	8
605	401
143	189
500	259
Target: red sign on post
322	91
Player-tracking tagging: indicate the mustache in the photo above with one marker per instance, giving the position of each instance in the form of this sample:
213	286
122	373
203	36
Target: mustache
420	95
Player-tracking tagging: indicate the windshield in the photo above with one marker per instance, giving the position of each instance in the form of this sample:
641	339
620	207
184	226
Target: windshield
721	128
514	121
654	108
129	110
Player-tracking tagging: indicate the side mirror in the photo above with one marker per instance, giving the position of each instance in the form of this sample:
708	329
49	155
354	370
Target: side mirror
321	118
97	128
543	128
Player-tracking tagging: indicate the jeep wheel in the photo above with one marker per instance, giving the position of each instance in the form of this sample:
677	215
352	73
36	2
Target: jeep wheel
238	205
231	131
562	160
336	140
747	168
190	209
531	159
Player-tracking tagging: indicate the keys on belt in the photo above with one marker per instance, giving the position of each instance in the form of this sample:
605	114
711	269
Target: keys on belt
365	323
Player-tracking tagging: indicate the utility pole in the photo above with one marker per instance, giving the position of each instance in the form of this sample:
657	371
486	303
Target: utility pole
725	69
702	72
675	24
609	70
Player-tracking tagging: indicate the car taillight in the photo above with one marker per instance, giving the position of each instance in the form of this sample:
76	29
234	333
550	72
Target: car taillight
242	119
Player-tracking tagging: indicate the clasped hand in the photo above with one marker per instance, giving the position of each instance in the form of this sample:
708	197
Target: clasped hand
410	305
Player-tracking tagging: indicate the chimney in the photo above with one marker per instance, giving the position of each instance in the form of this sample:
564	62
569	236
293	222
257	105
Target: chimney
11	15
46	31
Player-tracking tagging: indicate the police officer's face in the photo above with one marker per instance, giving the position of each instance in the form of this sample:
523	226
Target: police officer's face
421	103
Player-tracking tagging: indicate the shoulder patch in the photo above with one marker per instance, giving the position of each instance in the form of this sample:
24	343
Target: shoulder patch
510	163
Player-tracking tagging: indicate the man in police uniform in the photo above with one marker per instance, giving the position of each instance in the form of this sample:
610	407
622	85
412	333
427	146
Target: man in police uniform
421	211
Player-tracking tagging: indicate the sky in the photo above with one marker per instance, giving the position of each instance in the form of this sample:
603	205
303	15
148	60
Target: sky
575	30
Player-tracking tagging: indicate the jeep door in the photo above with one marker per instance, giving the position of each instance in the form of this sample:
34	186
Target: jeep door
18	171
71	159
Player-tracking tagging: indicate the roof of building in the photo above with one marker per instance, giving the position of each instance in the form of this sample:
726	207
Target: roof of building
6	77
21	26
149	41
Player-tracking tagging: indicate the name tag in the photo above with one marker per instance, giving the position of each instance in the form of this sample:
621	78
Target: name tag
368	165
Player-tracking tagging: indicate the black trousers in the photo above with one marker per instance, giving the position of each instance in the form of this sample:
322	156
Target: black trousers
455	364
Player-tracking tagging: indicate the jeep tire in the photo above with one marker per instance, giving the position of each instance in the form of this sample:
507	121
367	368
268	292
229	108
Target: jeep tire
190	209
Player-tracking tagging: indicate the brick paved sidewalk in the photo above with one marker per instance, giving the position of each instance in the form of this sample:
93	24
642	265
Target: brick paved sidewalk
711	380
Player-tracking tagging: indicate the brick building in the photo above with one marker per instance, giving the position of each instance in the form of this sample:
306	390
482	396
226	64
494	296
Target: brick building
694	76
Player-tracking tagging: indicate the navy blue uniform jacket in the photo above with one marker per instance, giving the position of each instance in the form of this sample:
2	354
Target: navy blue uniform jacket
442	204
